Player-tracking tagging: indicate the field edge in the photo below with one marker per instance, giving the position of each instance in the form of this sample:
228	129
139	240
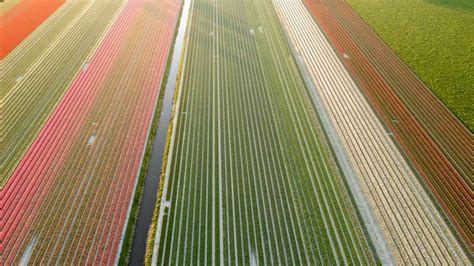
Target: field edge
125	250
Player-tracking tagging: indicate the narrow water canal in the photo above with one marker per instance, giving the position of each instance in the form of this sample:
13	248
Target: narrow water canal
152	178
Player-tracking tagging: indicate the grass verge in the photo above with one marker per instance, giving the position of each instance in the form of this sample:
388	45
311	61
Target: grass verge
137	198
152	230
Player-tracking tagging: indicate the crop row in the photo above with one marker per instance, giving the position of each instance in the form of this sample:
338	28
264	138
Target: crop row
384	82
19	21
414	230
39	71
7	6
251	177
82	167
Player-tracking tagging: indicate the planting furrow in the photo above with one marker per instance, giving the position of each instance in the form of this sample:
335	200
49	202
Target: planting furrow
7	5
59	63
79	107
103	143
411	130
67	102
25	55
392	189
14	184
251	178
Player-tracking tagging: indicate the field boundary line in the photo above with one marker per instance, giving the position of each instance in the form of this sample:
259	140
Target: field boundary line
175	114
127	217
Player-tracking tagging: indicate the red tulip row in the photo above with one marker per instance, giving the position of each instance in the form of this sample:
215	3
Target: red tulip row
71	194
411	226
434	140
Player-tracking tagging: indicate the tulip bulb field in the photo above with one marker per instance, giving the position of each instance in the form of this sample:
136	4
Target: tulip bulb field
236	132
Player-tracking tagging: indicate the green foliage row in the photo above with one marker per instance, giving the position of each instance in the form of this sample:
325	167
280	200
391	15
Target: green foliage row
254	88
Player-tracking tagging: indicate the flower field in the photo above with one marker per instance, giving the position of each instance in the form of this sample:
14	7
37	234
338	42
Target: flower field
234	132
250	175
17	21
435	140
67	200
38	72
413	228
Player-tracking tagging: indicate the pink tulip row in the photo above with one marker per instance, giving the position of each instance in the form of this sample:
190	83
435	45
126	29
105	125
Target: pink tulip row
54	159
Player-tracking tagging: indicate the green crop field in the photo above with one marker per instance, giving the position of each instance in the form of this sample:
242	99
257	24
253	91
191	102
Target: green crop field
436	39
251	176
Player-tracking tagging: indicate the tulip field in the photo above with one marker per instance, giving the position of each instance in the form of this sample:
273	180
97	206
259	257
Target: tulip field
67	201
412	226
38	72
251	175
17	20
424	127
232	132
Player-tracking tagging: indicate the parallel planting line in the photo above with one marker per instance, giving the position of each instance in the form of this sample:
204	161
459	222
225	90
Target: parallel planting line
17	22
250	176
413	228
435	141
41	78
29	186
7	5
82	166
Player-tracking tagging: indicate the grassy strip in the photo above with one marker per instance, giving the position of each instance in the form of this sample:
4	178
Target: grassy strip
137	198
152	230
435	45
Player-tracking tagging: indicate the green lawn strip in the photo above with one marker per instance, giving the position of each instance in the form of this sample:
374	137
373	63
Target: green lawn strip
434	38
